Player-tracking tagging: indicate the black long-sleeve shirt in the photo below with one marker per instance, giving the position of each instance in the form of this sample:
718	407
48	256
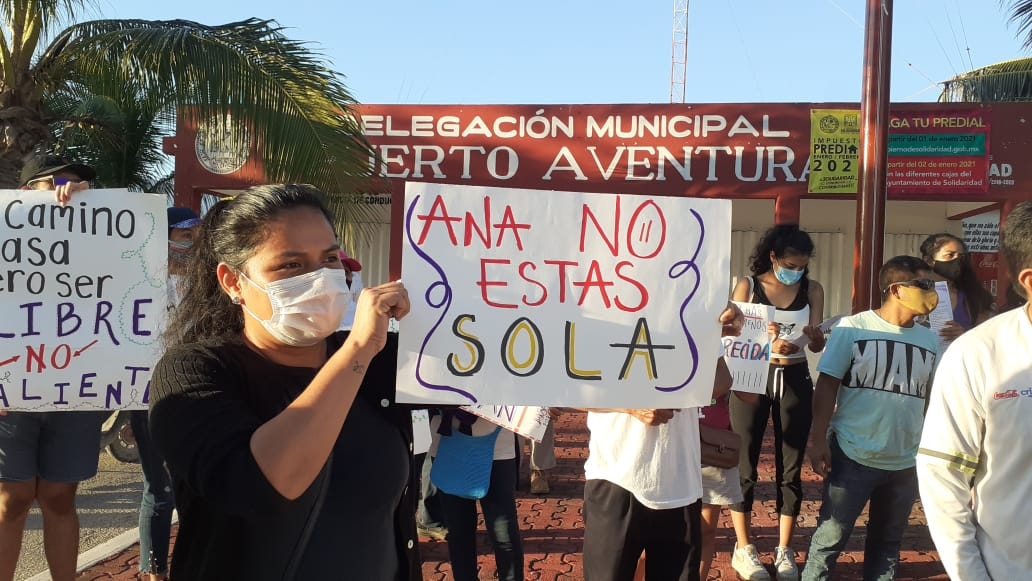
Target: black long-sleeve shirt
356	520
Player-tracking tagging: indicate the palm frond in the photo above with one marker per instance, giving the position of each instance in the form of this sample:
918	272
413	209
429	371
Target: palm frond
294	105
1007	81
1021	13
113	128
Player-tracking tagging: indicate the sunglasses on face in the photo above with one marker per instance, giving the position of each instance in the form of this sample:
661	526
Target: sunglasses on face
51	181
921	283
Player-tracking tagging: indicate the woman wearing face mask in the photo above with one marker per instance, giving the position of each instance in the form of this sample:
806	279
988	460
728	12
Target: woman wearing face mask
972	304
779	278
157	502
289	457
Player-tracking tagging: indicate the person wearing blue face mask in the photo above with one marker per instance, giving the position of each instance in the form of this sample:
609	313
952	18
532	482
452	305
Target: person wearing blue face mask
779	278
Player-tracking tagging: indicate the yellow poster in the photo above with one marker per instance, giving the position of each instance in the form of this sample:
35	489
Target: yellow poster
834	151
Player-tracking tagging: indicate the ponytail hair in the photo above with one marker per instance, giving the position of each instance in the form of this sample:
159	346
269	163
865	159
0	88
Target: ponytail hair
231	233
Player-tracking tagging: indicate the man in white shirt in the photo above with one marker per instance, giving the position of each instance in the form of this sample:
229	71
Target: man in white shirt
643	487
973	462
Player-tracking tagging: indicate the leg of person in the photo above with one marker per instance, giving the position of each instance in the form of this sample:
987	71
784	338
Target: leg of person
710	523
429	516
672	543
460	516
891	504
503	526
792	418
19	440
60	527
542	460
613	528
750	422
720	487
69	452
156	503
846	491
15	501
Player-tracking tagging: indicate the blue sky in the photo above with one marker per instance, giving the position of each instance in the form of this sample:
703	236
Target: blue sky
604	51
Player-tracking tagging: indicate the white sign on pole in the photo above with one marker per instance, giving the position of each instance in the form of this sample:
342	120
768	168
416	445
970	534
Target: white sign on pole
83	297
982	232
524	297
748	355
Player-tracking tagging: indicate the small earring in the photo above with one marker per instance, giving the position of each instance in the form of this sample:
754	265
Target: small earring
235	300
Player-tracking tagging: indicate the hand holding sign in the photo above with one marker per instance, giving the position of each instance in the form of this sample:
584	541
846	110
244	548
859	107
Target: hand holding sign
653	417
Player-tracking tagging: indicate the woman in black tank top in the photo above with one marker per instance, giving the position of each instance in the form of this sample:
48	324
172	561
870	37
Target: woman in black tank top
779	278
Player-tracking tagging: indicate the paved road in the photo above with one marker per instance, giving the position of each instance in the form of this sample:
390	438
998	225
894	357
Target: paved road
108	506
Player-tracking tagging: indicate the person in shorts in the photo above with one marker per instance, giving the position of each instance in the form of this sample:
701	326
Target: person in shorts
44	455
720	486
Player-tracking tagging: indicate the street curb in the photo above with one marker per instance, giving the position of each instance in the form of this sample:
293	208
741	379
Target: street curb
103	551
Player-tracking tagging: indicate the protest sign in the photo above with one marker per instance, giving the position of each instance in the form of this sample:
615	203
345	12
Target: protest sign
82	299
524	297
748	355
528	421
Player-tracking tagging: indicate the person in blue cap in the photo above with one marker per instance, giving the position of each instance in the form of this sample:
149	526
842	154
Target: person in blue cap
157	502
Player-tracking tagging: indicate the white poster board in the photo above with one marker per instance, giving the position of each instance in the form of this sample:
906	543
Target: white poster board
982	232
748	355
941	314
83	298
527	421
524	297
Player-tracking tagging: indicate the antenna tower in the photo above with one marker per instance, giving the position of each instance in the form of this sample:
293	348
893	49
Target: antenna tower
679	52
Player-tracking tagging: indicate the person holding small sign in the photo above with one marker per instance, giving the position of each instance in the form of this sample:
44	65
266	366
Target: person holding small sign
779	278
950	261
44	455
289	457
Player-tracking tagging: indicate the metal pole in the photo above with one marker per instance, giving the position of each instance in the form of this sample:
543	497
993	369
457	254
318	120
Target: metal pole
874	119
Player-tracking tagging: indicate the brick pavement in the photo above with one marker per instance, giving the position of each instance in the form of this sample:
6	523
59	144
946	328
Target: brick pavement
553	528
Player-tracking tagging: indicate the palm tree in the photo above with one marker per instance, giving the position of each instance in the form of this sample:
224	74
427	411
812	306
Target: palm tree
1006	81
292	103
116	130
1001	82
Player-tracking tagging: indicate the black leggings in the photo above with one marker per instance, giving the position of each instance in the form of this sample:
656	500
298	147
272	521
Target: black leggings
790	394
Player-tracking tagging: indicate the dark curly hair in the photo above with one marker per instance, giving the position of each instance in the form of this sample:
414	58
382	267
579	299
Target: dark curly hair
782	240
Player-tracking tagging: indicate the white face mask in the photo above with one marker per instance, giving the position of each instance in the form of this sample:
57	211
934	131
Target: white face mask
306	308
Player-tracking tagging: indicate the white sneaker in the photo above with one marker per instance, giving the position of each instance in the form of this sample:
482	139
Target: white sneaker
746	562
785	565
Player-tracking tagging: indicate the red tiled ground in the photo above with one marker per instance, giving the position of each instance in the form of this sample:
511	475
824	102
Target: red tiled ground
553	528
